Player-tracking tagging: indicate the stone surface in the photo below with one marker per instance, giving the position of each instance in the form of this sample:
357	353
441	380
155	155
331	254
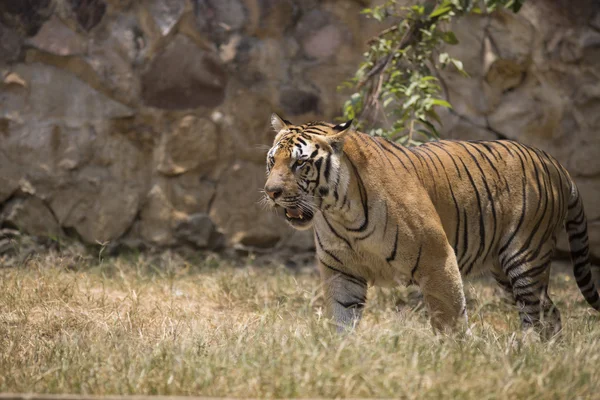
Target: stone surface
53	95
88	13
10	44
156	218
25	16
146	123
56	38
197	79
31	215
236	207
199	230
324	42
166	13
218	18
193	142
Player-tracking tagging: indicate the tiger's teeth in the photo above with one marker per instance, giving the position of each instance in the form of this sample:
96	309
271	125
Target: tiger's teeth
301	216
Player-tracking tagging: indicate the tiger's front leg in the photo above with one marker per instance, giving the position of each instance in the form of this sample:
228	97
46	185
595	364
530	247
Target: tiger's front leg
345	296
437	274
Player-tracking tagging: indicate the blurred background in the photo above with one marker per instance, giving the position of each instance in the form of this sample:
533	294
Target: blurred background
145	124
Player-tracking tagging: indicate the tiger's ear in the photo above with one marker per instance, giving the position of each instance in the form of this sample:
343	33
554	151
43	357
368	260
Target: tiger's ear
279	123
336	141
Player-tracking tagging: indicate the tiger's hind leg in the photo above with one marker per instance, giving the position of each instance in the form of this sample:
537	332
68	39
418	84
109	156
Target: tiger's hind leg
529	273
504	283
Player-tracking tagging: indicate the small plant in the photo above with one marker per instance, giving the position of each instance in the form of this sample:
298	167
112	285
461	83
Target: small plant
396	86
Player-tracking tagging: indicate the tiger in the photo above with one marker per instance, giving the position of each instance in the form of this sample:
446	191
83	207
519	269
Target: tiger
384	214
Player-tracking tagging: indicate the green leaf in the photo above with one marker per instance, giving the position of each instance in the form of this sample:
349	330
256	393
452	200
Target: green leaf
440	10
431	114
514	5
441	103
450	38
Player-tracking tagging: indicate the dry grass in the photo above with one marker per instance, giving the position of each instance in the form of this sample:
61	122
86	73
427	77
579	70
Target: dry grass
167	326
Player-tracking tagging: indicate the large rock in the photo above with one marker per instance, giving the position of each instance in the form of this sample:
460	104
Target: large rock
237	209
196	79
88	13
193	142
53	95
10	44
91	180
25	16
56	38
217	18
166	13
30	214
157	218
200	231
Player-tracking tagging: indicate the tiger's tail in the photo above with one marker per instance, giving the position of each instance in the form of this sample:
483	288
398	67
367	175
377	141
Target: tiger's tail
577	231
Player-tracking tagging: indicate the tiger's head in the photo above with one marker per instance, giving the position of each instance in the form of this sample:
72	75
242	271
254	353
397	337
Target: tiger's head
303	167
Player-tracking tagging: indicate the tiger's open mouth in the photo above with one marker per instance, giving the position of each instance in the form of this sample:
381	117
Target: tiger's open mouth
298	217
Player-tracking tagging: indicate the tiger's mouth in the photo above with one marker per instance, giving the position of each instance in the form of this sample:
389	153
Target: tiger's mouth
297	217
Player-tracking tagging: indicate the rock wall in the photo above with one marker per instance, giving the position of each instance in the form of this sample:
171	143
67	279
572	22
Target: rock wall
145	123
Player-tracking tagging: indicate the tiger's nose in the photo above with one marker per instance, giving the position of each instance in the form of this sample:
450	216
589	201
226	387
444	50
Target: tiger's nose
273	192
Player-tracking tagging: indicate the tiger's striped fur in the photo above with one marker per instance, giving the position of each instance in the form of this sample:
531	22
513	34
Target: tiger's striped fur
385	214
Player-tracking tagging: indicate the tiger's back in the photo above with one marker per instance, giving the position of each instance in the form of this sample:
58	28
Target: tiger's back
494	198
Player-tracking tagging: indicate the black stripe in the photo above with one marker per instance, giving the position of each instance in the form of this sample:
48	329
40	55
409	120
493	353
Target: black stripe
456	207
392	256
584	280
490	149
351	278
336	233
395	155
318	165
414	269
525	286
327	167
528	303
314	127
481	220
514	259
580	253
366	235
403	151
352	304
441	147
380	151
533	272
417	152
593	300
426	151
386	218
490	162
465	245
363	198
329	253
509	142
490	202
523	207
578	236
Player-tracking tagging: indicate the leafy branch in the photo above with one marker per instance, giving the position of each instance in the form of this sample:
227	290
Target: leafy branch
397	91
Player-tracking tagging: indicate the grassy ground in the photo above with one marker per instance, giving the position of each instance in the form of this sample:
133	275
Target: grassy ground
168	326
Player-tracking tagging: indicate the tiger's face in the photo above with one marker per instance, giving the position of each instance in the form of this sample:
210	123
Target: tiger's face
301	166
